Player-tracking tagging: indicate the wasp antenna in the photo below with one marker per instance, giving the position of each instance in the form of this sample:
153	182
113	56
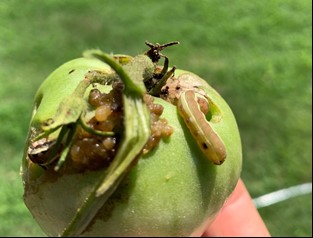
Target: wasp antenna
171	43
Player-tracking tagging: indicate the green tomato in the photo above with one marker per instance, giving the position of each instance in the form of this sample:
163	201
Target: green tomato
174	190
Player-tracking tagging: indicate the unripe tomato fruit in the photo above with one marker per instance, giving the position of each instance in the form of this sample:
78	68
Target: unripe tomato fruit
172	190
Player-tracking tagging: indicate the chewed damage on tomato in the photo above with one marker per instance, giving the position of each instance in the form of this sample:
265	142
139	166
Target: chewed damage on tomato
91	152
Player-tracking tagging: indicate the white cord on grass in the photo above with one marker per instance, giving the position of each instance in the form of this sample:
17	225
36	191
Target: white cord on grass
282	195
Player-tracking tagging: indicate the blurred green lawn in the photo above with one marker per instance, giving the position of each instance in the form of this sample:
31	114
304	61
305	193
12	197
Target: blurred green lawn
257	54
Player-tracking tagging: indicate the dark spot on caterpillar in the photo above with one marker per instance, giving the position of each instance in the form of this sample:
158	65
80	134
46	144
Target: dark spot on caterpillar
71	71
177	87
219	162
204	146
48	122
164	91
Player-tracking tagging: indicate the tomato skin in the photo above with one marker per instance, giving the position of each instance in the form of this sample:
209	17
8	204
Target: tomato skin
60	84
171	191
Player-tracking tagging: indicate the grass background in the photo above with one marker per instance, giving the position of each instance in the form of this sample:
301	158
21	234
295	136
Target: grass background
257	54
